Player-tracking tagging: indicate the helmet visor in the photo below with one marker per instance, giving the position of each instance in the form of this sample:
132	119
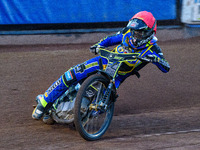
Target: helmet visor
137	24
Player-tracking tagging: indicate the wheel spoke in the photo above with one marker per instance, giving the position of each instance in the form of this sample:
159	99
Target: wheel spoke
92	120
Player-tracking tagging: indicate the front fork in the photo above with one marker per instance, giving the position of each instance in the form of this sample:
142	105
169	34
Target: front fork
106	96
103	103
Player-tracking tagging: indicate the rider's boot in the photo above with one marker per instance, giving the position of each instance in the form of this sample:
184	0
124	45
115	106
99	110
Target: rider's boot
41	108
45	102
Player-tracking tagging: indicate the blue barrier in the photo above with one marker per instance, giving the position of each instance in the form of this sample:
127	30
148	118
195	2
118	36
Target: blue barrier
82	11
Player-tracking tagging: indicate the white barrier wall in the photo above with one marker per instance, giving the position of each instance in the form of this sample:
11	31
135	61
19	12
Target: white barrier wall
190	11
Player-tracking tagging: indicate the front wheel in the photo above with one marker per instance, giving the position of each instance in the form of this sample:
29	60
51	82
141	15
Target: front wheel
90	119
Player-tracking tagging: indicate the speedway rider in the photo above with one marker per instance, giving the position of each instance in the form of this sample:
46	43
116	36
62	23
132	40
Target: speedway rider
139	35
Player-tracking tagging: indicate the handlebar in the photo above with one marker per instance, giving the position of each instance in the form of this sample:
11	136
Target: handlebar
107	53
117	56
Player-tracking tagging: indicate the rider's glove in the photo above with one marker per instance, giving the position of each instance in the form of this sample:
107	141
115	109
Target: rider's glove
153	58
95	49
149	58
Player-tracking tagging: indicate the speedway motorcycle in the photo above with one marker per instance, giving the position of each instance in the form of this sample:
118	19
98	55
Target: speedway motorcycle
90	103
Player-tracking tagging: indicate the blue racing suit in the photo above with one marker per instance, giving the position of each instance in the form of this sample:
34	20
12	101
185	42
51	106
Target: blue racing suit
124	45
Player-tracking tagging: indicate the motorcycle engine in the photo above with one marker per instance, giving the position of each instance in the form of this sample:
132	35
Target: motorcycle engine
65	110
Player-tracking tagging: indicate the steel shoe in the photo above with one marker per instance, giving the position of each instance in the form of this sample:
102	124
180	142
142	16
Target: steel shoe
47	119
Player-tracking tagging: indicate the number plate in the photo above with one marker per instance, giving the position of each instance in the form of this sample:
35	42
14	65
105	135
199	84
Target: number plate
112	68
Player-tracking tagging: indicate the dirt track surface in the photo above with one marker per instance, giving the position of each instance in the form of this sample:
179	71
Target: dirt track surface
157	111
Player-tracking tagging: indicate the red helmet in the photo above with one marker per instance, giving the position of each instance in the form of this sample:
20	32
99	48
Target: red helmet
143	27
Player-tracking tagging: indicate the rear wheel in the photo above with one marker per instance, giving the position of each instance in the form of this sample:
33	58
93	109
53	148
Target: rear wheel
91	120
